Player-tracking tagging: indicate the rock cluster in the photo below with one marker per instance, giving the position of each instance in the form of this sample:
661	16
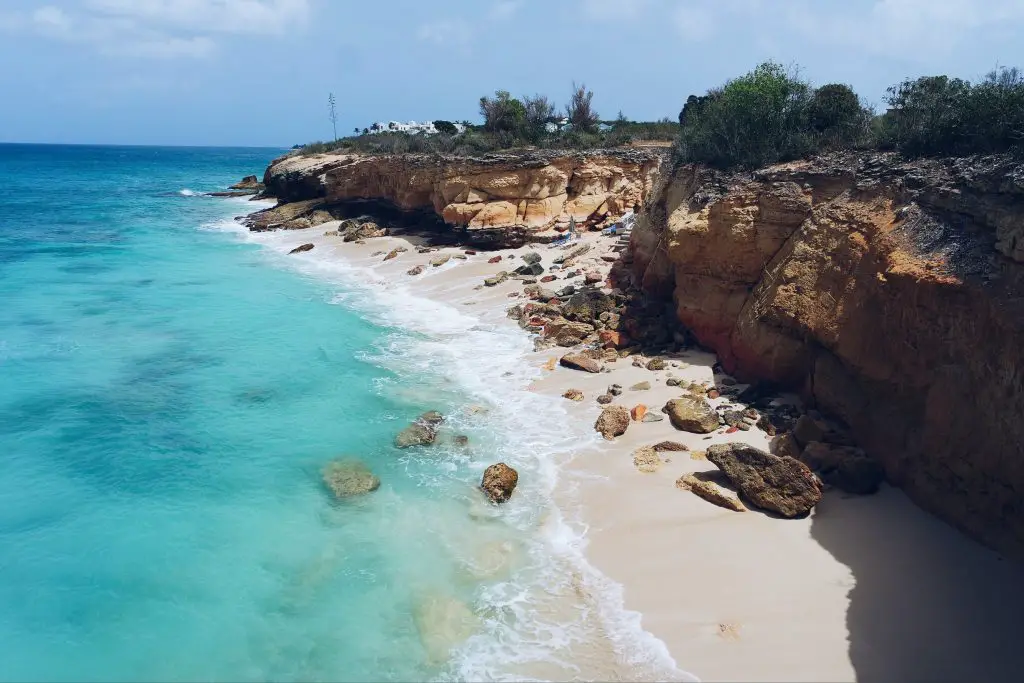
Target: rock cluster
422	431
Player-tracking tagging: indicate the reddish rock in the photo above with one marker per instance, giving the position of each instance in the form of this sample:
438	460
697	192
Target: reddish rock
548	278
469	252
613	338
495	259
732	430
638	412
578	361
713	394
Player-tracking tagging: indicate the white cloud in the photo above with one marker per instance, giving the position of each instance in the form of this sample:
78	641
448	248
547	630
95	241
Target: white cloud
505	9
158	29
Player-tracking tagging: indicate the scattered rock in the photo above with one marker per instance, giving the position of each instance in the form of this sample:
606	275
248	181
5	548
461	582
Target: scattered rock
672	382
459	257
531	257
395	252
496	280
615	390
352	231
613	422
301	248
415	271
709	492
656	364
573	395
638	412
347	478
577	361
587	305
641	386
548	278
848	469
422	431
779	484
440	260
593	278
604	399
646	460
691	414
734	418
534	269
670	446
495	259
499	481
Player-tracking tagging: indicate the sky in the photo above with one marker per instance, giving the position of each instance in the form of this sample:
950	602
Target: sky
258	72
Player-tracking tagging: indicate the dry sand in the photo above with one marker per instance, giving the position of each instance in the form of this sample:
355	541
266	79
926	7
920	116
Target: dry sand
866	588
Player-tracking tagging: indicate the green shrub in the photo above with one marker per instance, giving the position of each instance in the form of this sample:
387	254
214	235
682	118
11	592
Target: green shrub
446	127
502	113
942	115
580	111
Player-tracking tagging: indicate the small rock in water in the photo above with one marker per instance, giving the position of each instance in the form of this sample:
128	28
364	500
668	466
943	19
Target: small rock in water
346	478
301	248
421	432
461	441
499	481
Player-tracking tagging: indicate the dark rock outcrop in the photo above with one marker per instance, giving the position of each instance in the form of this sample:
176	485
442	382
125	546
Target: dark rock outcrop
781	485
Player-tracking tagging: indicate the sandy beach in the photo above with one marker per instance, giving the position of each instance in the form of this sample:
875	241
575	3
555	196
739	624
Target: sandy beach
866	588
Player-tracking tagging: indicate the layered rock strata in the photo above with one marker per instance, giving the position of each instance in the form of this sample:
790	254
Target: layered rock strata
890	292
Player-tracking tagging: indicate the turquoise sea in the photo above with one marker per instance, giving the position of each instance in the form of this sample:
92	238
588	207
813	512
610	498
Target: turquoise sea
170	389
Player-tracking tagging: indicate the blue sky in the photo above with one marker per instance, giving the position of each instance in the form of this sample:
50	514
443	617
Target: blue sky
257	72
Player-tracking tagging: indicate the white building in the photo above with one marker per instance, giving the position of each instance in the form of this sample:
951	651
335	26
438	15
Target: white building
412	128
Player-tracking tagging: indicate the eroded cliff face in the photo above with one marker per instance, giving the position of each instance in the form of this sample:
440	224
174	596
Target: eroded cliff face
890	292
525	194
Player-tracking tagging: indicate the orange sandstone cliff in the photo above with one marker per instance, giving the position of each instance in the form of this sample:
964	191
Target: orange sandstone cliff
512	196
890	292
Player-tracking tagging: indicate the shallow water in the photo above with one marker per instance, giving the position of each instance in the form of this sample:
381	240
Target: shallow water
170	389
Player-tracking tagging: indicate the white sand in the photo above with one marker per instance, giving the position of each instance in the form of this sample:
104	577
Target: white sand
866	588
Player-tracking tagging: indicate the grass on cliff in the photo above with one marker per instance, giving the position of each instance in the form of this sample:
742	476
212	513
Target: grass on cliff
477	140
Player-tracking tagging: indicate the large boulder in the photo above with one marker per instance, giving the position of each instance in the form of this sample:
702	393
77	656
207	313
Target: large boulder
782	485
353	231
612	422
578	361
848	469
421	432
499	481
347	478
586	306
691	414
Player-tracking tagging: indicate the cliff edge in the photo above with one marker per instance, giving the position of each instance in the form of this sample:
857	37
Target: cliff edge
509	197
890	292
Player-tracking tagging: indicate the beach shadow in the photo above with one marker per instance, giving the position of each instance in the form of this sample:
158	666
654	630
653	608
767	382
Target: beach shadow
928	603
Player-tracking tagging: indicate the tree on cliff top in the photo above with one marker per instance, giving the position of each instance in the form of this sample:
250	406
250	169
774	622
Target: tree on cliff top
502	113
580	111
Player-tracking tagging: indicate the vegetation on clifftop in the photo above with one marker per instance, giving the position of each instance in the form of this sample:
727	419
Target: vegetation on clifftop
768	115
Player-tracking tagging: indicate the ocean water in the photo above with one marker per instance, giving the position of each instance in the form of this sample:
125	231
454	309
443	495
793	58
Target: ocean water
171	388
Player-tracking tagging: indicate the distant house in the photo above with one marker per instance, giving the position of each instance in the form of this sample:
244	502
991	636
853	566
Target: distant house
411	128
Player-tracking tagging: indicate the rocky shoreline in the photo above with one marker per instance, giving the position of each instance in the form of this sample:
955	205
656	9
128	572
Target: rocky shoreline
623	317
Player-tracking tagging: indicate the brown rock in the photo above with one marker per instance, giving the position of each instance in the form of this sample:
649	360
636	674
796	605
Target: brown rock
394	253
646	460
808	429
785	445
573	395
613	422
691	414
499	481
638	412
495	259
415	271
848	469
670	446
577	361
301	248
347	478
780	484
421	432
605	399
709	492
440	260
656	364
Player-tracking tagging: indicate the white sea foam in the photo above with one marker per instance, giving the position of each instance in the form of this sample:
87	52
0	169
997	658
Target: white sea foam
189	193
558	615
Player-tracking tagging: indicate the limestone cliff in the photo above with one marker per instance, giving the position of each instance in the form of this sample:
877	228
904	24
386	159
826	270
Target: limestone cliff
494	196
890	292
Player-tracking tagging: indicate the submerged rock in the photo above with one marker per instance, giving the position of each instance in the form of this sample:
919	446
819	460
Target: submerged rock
780	484
612	422
499	482
691	414
443	622
347	478
421	432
